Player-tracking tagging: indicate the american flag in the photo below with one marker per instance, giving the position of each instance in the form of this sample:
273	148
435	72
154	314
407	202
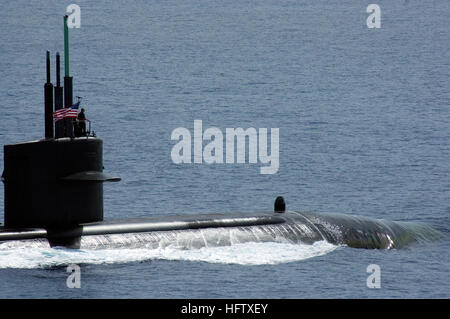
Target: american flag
67	112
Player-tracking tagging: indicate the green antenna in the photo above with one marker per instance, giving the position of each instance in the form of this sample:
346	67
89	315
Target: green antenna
66	47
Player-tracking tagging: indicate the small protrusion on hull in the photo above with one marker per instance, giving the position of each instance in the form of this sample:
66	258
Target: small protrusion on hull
69	238
280	205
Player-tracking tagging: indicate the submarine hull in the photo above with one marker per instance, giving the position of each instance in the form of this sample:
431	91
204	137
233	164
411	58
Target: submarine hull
196	231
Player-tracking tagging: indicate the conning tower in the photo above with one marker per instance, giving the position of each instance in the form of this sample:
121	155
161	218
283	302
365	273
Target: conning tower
55	183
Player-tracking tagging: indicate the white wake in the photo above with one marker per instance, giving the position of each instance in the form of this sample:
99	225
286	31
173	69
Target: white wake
35	254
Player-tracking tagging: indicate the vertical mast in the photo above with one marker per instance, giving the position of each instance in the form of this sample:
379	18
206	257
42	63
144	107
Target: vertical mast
68	83
59	126
48	101
66	47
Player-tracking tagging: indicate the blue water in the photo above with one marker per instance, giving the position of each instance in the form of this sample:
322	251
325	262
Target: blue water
364	123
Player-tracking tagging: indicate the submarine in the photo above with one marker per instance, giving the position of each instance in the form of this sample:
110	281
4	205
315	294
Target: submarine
45	180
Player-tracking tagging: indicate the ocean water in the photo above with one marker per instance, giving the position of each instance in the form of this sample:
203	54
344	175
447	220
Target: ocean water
364	129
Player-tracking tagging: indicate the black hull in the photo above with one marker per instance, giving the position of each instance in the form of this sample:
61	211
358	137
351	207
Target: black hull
224	229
